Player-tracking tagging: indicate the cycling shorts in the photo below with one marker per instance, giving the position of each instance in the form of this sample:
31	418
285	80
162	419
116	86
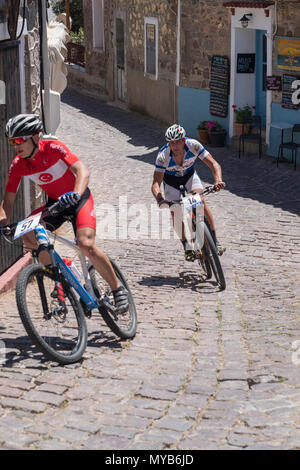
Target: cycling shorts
83	213
173	194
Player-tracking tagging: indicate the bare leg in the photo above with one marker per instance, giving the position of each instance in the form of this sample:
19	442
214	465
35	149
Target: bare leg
31	244
209	216
87	244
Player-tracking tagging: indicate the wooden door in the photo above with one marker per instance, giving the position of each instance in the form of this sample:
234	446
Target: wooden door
120	56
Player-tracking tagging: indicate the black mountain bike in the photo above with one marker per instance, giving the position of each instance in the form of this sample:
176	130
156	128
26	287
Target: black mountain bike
54	303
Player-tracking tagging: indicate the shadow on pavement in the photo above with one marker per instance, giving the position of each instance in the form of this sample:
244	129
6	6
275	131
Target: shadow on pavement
98	339
141	130
185	280
21	349
249	177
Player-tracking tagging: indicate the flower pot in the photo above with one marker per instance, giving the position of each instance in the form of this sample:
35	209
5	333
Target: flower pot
217	139
238	126
203	135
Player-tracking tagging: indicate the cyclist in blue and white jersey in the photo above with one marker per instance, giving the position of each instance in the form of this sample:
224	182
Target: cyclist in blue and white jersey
175	166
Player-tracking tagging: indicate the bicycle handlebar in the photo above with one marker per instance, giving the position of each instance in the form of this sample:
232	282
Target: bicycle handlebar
207	190
55	209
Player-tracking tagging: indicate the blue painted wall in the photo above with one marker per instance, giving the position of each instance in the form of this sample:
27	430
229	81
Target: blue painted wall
290	116
193	107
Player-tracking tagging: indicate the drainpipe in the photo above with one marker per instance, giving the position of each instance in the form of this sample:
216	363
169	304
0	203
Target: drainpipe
178	43
45	69
177	83
270	35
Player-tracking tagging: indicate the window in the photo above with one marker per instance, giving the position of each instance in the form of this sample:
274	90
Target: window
151	47
98	24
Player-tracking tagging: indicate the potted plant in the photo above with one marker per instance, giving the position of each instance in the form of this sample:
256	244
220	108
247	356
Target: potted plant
217	134
203	132
240	114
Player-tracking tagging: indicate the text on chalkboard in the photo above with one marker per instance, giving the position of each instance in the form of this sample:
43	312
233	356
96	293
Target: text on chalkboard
245	63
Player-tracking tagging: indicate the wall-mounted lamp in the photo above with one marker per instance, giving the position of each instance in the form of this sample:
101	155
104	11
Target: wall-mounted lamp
244	20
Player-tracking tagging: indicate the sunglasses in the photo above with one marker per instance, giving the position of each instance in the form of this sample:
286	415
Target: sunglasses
19	140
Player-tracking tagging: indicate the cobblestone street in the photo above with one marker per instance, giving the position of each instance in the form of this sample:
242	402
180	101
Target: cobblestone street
207	369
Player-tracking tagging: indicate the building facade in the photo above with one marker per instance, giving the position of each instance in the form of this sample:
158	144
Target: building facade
165	58
19	93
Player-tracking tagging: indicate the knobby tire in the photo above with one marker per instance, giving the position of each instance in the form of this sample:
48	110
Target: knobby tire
125	325
62	338
212	255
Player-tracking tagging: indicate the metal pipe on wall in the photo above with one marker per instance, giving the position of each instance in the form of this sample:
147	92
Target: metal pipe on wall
46	67
178	43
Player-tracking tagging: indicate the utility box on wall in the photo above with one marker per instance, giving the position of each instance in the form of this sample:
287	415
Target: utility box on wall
2	92
54	114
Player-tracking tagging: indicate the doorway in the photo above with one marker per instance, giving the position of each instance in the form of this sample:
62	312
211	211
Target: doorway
120	60
261	74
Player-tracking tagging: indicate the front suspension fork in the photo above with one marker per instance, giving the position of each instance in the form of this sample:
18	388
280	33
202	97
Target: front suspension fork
58	284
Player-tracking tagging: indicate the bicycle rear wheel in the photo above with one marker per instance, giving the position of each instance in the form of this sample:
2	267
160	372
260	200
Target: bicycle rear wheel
60	335
211	253
123	325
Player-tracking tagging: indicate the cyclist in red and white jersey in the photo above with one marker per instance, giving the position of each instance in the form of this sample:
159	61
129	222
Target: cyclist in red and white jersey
64	178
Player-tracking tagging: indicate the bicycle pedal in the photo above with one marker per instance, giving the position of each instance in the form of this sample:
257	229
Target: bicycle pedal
189	255
221	250
106	303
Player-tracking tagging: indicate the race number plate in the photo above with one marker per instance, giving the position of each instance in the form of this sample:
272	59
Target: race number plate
27	225
191	202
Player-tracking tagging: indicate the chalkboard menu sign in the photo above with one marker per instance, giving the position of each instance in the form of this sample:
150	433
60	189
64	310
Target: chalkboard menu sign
219	86
274	82
245	63
287	91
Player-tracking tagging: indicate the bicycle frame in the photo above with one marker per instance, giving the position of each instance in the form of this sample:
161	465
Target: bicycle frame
188	219
87	295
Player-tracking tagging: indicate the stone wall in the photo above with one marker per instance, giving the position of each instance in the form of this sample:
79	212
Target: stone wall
99	77
205	31
144	93
288	18
32	60
166	13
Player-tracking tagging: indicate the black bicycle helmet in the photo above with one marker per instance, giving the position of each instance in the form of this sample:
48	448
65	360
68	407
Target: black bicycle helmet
23	125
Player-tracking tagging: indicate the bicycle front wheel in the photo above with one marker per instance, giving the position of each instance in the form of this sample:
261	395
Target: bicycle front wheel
211	254
202	255
123	325
60	334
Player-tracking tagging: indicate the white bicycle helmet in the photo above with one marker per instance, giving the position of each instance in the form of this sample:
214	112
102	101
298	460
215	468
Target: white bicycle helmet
175	132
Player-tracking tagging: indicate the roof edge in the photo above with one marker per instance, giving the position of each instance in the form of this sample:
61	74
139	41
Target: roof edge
249	4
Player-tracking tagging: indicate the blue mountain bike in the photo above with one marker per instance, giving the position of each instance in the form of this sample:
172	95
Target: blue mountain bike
53	303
